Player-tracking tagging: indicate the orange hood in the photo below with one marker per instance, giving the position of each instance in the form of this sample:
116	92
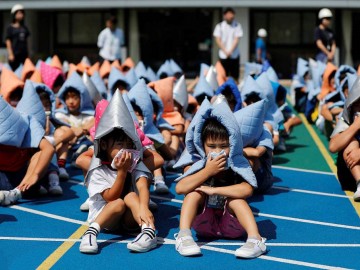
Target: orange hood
28	69
326	88
9	82
164	89
128	64
116	64
105	69
93	68
36	77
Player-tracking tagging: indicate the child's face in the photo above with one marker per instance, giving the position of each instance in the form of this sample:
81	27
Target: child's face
216	145
355	108
46	104
114	145
72	101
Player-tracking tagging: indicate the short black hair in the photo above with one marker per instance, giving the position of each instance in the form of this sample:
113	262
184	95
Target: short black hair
281	94
72	90
252	97
229	96
112	19
213	129
200	98
229	9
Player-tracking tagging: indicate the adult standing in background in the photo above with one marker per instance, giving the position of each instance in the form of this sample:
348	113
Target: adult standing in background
324	37
110	41
17	37
227	35
260	46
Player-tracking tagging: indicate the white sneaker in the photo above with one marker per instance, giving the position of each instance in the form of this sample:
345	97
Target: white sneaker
88	244
145	241
251	249
63	174
9	197
54	185
161	188
186	246
85	206
357	195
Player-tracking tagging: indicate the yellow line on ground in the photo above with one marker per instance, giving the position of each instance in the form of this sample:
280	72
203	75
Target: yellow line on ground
62	249
327	158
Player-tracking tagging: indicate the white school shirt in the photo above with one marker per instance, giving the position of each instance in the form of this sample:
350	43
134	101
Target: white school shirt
103	178
228	33
110	43
77	121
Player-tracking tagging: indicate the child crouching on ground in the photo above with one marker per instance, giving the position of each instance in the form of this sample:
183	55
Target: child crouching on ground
217	185
345	140
118	181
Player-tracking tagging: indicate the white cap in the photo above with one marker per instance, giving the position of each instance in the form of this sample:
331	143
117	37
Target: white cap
325	13
16	8
262	32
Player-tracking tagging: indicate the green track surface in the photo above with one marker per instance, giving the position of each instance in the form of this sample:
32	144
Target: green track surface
302	152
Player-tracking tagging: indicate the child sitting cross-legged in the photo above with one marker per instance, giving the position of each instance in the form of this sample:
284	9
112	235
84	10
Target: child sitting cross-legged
118	181
217	184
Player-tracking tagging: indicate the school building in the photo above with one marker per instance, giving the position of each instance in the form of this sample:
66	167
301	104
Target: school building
156	30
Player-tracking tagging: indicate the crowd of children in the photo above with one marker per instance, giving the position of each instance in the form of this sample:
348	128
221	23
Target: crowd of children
329	97
125	126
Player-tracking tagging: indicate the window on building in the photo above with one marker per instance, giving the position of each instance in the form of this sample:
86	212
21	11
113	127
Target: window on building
78	28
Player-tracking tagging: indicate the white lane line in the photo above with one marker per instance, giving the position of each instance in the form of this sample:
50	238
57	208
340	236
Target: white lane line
36	212
80	183
302	170
274	187
312	192
279	217
167	241
207	246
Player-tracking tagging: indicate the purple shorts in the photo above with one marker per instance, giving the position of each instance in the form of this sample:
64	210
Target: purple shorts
218	223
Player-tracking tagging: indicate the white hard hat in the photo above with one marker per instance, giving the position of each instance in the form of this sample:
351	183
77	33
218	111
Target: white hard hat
324	13
16	8
262	32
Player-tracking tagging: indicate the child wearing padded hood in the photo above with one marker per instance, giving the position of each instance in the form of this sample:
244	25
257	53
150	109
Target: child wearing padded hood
217	185
118	181
24	152
78	112
345	141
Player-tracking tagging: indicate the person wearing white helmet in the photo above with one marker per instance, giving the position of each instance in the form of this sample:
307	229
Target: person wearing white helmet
17	37
324	37
260	46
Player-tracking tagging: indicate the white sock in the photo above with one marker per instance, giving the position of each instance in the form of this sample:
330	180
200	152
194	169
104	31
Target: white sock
149	231
159	179
94	229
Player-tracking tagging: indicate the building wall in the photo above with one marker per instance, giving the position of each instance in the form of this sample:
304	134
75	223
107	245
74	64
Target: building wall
73	33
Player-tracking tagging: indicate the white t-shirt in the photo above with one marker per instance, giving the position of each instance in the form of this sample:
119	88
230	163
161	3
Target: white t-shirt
103	178
110	43
77	121
228	33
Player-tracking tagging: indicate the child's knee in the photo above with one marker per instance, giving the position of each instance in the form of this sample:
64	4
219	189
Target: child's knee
118	206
